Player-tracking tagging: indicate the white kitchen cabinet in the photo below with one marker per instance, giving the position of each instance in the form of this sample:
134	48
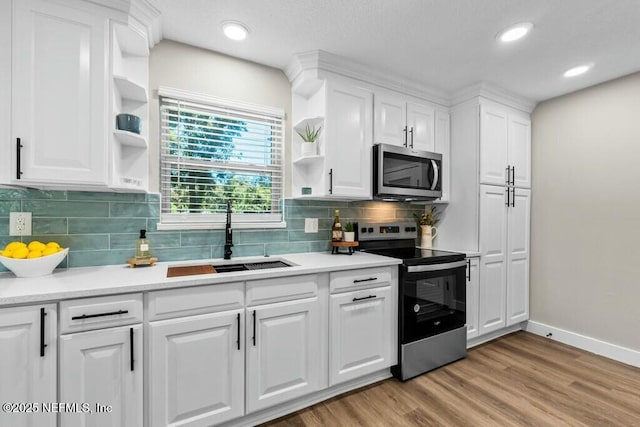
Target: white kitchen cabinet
403	122
104	369
443	146
28	357
59	94
196	369
505	146
504	247
284	352
473	288
360	333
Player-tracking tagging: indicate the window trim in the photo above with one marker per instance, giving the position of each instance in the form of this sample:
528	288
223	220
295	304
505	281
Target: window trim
217	221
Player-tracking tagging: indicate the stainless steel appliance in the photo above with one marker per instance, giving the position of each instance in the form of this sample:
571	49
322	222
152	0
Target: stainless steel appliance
431	298
402	173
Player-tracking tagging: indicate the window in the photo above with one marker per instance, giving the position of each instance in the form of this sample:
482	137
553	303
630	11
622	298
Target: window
215	150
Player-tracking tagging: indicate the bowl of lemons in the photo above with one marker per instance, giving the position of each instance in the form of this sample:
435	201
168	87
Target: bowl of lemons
34	259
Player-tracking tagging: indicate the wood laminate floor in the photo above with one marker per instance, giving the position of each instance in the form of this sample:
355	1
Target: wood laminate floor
518	380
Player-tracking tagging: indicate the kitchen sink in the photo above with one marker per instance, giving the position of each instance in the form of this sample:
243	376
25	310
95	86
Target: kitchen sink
248	266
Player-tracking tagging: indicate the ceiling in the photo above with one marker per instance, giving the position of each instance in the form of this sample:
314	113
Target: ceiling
446	44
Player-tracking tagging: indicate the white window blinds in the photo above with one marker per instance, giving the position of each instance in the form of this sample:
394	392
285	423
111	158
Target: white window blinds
214	151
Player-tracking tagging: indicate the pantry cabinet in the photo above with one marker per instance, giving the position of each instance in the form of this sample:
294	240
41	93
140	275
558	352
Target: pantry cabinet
28	358
59	94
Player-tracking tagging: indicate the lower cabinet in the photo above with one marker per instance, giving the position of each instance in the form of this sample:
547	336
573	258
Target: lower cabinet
360	333
473	289
196	369
28	355
102	368
284	352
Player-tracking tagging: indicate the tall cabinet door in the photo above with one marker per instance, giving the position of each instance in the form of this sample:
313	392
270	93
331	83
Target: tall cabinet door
349	140
27	369
59	93
196	369
519	151
390	120
103	367
283	352
421	126
493	144
493	253
518	257
473	287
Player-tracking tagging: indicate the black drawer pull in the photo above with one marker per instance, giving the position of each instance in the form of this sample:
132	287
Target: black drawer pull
131	359
370	279
360	299
89	316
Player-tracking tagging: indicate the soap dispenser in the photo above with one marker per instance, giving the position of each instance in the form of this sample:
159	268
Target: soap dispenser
143	249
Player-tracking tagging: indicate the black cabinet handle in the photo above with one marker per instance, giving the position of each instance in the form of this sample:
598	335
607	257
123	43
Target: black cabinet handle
42	344
360	299
508	196
331	181
469	270
411	132
18	162
370	279
238	340
89	316
131	346
254	328
405	136
513	175
507	172
513	199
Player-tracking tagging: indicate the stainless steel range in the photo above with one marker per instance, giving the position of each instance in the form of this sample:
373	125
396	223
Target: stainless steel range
431	298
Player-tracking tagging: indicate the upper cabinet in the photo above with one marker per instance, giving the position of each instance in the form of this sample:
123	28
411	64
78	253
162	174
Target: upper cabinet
505	146
403	122
59	93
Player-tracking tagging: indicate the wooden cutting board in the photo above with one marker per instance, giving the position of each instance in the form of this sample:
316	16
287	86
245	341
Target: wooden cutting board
190	270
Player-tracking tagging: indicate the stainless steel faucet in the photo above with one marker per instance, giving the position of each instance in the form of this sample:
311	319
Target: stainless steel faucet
228	234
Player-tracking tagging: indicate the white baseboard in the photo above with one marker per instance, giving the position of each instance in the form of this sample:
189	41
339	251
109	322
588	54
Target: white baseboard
493	335
602	348
305	401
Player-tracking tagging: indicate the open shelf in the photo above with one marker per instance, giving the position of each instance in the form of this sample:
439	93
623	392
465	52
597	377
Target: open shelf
311	121
130	89
130	138
307	160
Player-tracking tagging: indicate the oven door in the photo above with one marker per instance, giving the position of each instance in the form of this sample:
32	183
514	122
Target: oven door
405	173
432	300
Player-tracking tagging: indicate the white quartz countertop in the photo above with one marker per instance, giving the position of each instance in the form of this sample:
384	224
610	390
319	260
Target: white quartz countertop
116	279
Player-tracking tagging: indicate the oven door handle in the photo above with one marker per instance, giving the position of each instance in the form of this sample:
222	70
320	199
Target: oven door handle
435	267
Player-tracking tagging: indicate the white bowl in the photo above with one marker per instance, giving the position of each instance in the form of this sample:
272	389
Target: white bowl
34	267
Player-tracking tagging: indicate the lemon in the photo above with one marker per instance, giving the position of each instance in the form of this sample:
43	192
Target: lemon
6	253
34	254
36	246
49	251
14	245
53	245
20	253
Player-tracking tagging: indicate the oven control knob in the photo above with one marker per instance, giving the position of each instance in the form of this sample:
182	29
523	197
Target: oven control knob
407	229
416	308
413	229
363	230
370	229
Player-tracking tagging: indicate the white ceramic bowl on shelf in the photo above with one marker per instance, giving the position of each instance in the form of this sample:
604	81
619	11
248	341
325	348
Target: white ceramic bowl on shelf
34	267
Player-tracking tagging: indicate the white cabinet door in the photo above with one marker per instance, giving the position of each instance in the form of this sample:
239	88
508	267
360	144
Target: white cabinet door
518	257
59	94
421	126
519	151
390	124
473	287
284	352
360	333
27	368
443	146
196	369
493	261
493	144
103	367
349	140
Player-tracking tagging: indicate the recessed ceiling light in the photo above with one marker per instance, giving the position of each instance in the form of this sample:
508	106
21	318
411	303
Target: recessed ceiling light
576	71
514	32
235	30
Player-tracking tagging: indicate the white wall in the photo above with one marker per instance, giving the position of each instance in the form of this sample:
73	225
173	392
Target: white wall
585	231
190	68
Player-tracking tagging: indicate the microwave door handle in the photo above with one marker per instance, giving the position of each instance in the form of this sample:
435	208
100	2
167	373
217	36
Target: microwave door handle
436	175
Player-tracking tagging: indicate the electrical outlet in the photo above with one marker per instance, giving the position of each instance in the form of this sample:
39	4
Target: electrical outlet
311	225
20	223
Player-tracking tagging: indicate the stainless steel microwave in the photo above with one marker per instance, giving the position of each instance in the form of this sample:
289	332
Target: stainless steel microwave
402	173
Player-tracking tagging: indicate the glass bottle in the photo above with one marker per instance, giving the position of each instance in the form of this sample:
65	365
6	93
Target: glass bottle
336	229
143	249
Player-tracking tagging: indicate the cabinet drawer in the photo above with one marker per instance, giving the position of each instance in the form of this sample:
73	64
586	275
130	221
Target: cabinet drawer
195	300
359	279
268	291
101	312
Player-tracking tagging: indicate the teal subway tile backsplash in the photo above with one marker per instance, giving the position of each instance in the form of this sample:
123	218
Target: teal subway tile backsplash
101	228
